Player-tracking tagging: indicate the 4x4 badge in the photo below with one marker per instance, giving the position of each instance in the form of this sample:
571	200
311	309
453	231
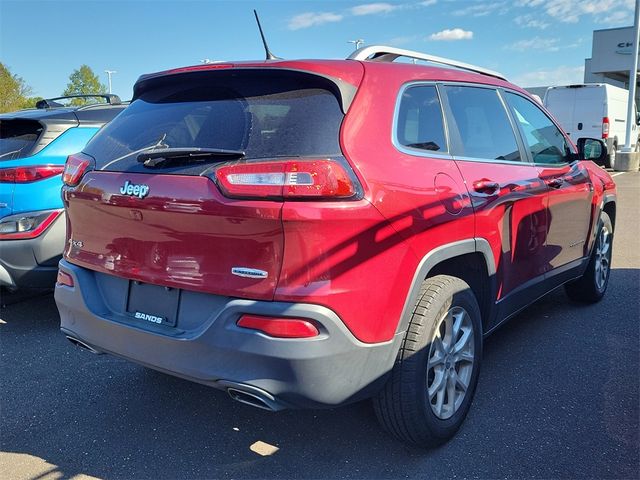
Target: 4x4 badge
133	190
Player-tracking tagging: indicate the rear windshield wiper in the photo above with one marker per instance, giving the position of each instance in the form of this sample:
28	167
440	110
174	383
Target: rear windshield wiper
156	158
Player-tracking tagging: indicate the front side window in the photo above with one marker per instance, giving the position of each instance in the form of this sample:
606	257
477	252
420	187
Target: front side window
481	124
419	124
544	140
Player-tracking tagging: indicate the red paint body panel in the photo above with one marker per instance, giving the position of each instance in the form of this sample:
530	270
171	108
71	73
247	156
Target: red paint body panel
512	220
347	257
184	234
569	211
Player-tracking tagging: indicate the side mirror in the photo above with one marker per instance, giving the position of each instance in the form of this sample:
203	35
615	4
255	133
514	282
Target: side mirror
592	149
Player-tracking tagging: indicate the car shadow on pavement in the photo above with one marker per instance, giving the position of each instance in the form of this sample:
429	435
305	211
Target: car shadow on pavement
105	417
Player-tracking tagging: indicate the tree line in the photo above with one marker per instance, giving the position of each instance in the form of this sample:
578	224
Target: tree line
16	94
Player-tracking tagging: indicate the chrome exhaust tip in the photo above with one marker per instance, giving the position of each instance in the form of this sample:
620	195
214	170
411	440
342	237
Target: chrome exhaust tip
249	399
250	395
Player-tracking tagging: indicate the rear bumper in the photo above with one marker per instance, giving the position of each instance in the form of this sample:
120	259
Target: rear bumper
33	263
331	369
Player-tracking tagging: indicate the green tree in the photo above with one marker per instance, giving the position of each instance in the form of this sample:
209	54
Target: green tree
13	91
83	82
30	102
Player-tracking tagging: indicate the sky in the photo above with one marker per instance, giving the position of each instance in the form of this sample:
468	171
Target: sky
532	42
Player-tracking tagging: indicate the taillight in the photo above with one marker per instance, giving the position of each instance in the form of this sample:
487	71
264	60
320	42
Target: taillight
77	165
289	179
29	174
280	327
26	225
605	127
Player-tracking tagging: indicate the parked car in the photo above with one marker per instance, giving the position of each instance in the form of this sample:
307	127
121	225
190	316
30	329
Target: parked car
34	145
311	233
596	110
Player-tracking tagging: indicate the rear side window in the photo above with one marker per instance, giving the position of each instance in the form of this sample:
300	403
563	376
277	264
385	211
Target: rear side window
544	140
419	124
481	124
265	115
18	138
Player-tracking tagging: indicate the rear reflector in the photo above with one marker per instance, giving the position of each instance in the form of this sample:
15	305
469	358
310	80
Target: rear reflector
29	174
280	327
605	127
27	225
285	179
77	165
64	279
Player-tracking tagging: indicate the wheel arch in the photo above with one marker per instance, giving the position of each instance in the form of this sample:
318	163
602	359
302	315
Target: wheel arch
471	260
609	207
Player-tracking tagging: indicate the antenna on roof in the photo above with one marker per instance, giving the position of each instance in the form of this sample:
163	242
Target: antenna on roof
270	56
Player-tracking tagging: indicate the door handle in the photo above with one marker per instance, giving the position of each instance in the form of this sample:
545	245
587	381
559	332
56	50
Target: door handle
486	186
554	182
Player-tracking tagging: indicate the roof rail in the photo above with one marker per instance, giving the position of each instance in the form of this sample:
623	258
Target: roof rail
51	102
381	53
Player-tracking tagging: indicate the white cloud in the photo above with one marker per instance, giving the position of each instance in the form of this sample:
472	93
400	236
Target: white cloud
559	76
570	11
529	21
618	17
428	3
451	34
482	9
372	8
310	19
402	40
536	43
529	3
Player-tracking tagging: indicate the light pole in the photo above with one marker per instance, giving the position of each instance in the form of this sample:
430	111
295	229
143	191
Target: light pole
356	43
633	72
109	73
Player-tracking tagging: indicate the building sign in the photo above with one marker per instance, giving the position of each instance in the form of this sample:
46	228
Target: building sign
625	48
611	50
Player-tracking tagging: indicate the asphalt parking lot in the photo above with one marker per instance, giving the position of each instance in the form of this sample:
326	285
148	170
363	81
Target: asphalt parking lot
559	396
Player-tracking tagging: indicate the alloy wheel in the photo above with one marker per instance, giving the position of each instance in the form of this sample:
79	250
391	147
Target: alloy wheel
450	364
603	257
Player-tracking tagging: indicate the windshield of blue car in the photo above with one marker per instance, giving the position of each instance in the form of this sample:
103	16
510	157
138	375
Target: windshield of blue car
18	138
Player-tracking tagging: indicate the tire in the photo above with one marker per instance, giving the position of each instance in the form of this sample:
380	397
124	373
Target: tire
404	406
591	287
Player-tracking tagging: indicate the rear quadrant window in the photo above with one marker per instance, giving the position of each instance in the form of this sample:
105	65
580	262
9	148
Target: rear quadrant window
18	138
481	124
419	124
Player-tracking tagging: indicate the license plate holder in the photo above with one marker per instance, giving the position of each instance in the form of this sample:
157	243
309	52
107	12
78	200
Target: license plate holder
153	303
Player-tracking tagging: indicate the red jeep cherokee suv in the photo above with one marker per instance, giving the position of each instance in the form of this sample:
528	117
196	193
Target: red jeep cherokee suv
311	233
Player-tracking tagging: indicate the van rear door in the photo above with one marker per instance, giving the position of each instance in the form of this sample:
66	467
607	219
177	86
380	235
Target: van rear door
560	102
589	110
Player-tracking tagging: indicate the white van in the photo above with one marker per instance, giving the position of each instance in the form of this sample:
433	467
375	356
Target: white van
593	110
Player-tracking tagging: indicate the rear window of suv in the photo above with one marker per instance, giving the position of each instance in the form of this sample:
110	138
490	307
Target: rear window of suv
18	138
264	114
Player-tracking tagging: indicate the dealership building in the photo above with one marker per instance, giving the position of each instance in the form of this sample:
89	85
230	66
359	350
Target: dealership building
610	60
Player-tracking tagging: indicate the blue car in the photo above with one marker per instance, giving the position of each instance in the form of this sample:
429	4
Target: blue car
34	145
